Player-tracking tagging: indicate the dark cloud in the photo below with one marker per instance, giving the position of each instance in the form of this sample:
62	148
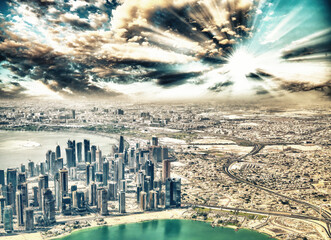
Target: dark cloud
325	88
11	90
219	87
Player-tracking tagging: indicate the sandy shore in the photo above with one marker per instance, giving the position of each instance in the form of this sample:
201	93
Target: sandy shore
110	221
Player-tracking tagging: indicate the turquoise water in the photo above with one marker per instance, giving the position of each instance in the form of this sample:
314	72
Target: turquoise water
165	230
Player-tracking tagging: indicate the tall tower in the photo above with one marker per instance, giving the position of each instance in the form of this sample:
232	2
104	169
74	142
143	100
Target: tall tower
165	169
29	225
8	219
19	208
121	145
57	152
79	151
86	149
122	202
69	157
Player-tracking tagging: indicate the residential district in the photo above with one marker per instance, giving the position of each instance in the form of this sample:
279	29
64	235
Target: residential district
254	166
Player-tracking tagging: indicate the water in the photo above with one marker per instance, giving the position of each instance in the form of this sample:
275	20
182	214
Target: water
18	147
165	230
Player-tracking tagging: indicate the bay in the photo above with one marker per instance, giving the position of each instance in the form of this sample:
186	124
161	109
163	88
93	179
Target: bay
165	230
18	147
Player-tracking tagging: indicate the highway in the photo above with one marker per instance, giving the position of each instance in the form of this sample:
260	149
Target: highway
325	214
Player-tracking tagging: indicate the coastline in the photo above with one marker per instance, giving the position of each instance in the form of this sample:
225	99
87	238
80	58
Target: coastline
117	220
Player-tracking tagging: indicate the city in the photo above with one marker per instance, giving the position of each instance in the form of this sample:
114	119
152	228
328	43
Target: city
228	165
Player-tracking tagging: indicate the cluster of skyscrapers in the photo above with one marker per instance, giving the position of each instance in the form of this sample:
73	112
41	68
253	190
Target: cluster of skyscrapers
96	179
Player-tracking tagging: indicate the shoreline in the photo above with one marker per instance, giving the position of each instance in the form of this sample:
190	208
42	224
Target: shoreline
120	220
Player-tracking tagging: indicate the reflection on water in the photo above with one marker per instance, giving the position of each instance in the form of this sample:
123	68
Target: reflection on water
165	230
172	228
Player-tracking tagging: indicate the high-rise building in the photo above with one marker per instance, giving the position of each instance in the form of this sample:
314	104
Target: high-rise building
88	172
57	152
112	191
173	192
105	172
104	202
92	194
42	185
122	202
70	162
143	201
165	169
21	178
24	190
86	149
93	153
79	152
64	182
29	225
2	177
35	196
19	209
48	161
98	177
138	191
89	157
22	168
155	141
31	168
2	207
52	159
12	177
57	190
149	168
8	219
48	207
99	159
72	145
121	145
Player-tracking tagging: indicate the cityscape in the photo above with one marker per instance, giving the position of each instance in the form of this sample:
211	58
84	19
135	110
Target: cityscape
228	165
165	119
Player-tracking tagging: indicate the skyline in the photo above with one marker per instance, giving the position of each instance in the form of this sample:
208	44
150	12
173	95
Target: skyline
165	50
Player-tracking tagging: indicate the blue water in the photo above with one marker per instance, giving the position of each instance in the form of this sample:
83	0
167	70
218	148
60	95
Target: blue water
165	230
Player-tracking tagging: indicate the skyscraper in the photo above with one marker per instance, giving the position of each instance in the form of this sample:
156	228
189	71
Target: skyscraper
93	153
29	225
19	209
79	151
173	192
48	207
105	172
99	159
86	149
69	157
8	219
149	168
2	207
104	202
122	202
57	152
2	177
121	145
165	170
155	141
42	185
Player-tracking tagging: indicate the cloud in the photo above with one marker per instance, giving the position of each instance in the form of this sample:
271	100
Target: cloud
83	47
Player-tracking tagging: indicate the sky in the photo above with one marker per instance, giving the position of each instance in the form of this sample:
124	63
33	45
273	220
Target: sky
165	49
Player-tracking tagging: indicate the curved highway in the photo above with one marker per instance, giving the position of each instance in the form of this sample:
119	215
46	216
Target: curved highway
257	147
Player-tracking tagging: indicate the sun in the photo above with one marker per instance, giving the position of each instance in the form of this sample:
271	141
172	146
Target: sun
241	63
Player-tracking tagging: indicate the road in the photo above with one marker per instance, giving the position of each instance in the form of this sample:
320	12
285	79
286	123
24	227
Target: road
325	214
